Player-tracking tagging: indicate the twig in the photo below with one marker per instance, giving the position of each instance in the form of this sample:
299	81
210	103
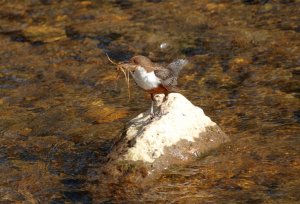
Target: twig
126	73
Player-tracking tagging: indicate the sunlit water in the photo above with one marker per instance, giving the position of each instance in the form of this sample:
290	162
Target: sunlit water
61	107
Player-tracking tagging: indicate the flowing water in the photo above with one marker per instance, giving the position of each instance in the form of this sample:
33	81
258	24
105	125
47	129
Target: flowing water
61	107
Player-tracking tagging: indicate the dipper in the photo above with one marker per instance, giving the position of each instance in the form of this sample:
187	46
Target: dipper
154	78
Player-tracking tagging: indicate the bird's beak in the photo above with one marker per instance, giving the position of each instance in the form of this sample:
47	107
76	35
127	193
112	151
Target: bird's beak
124	62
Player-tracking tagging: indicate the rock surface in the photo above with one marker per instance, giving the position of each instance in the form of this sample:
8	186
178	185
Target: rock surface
179	131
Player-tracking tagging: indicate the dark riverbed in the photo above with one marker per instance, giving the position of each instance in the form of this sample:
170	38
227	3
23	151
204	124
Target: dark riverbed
61	107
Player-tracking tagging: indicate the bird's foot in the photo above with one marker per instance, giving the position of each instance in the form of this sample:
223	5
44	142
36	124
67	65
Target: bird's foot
152	116
165	98
156	115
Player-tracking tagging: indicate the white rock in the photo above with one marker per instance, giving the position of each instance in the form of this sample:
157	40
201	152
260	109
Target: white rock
177	119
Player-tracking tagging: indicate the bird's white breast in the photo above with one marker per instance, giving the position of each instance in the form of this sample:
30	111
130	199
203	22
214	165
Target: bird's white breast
146	80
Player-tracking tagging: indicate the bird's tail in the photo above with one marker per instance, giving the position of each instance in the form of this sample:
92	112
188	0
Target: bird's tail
177	65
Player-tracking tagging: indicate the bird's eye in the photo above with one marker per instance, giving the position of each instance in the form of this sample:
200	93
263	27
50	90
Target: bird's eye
135	61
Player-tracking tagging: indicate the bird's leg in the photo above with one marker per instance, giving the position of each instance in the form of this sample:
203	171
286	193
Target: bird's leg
166	96
159	114
151	110
152	104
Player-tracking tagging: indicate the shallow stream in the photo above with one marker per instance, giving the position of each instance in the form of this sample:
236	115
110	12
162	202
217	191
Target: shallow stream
61	107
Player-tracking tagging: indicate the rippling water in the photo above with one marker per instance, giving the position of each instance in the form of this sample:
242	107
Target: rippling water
61	107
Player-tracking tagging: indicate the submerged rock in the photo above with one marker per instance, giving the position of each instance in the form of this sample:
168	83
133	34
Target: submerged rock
44	33
179	132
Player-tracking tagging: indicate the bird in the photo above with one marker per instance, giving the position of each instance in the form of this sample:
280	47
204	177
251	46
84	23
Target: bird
154	78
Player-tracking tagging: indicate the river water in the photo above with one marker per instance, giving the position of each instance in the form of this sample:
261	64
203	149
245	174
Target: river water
62	107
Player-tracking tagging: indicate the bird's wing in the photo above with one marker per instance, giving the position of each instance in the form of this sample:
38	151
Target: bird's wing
169	74
169	82
177	65
168	79
163	73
